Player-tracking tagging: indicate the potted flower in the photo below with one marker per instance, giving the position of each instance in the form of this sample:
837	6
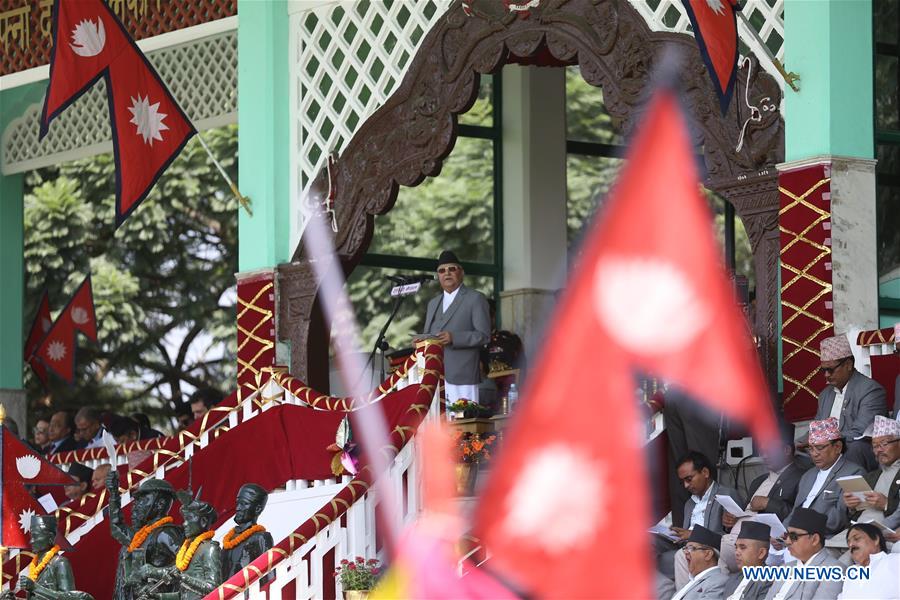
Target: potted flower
473	450
358	577
465	409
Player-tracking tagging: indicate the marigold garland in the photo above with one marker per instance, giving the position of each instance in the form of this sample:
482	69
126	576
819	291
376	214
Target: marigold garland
144	532
230	541
188	548
35	568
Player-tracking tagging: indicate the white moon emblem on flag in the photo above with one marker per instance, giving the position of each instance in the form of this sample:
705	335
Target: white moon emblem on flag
559	500
79	315
28	466
25	519
148	119
648	305
88	38
56	351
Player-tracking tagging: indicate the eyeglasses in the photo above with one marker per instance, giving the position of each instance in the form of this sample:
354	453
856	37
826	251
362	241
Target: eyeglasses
450	269
881	445
692	548
820	448
830	370
794	536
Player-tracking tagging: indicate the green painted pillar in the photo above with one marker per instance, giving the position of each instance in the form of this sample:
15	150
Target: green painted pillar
264	133
12	274
829	44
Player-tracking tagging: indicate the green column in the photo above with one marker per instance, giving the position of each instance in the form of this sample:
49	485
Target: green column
12	276
264	133
829	44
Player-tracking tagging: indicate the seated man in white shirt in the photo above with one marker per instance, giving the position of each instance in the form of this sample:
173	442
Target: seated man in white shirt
751	549
869	549
806	542
707	579
818	488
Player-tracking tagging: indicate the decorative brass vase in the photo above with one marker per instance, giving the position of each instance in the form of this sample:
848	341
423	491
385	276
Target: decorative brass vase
466	475
356	594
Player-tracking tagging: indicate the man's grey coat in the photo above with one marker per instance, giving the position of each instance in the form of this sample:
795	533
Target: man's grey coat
829	501
469	323
812	590
863	399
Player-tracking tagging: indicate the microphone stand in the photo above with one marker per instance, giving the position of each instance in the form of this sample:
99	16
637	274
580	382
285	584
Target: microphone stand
381	343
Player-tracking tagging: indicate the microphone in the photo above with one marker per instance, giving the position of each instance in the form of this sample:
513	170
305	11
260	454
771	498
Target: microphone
407	279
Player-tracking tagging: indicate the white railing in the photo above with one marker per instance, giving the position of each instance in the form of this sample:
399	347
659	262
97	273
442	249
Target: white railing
306	571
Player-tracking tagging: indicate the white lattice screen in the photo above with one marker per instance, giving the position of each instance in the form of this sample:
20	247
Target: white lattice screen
202	76
350	58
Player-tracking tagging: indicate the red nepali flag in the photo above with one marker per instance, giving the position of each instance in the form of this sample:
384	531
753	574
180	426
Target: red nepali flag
715	28
149	128
22	466
57	350
566	510
39	328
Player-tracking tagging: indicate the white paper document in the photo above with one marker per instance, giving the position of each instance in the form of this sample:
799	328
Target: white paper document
664	531
728	503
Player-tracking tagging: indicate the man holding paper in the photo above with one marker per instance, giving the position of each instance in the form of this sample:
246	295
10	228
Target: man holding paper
882	502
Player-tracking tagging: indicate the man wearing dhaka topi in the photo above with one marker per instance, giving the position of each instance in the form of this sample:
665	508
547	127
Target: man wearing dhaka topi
459	319
851	398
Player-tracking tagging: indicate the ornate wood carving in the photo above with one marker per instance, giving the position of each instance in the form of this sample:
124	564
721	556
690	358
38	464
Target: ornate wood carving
413	132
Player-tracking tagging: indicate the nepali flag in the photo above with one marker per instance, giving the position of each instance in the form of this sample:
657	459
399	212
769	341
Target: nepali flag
22	466
149	128
39	328
57	350
566	510
715	28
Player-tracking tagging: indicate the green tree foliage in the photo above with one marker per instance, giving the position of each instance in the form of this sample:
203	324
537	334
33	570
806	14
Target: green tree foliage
163	282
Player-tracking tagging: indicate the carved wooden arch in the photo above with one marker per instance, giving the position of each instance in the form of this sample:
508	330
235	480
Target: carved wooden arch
408	138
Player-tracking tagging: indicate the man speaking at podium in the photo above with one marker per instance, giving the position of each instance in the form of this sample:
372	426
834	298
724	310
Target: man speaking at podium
458	319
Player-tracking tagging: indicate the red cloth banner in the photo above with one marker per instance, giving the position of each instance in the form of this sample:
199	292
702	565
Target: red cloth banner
149	128
42	323
22	466
57	350
659	303
715	29
807	314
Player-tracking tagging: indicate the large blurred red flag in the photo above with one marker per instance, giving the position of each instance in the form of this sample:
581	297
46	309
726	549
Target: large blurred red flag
566	510
22	466
57	350
149	128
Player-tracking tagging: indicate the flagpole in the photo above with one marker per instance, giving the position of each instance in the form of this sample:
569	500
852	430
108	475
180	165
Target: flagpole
244	201
789	77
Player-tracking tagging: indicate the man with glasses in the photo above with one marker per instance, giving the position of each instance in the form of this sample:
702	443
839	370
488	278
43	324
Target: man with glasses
805	540
459	319
883	503
850	397
818	489
707	579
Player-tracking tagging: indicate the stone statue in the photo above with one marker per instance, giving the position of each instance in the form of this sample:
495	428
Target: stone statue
243	544
152	539
198	565
49	575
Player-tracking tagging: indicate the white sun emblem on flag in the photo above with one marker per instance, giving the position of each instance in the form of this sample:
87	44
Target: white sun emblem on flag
716	6
559	500
79	315
56	351
25	519
148	119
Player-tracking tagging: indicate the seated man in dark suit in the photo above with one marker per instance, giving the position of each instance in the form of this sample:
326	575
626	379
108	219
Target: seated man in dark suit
61	433
806	542
883	503
818	489
851	398
696	473
751	550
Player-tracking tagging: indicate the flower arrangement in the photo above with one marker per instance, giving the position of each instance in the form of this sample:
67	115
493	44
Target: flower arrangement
359	574
473	448
468	409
